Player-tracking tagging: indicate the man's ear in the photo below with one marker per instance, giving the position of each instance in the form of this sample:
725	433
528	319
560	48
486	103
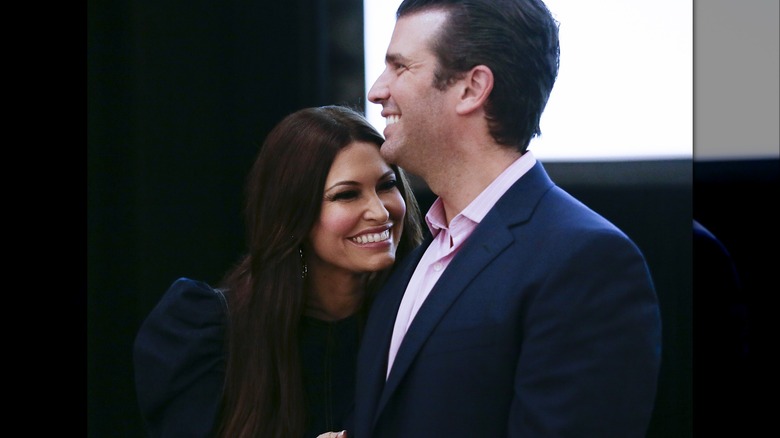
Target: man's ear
477	85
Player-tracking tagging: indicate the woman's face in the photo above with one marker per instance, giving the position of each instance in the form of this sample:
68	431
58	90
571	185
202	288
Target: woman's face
362	214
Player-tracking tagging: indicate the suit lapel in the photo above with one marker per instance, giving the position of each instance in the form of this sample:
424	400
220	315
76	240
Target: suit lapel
451	284
383	310
379	331
487	241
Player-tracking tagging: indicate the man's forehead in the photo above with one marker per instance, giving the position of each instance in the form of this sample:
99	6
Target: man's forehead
412	34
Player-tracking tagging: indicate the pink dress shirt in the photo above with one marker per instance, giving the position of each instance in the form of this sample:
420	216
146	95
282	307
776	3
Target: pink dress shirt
447	240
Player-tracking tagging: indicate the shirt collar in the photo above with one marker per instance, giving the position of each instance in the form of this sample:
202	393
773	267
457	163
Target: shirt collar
479	206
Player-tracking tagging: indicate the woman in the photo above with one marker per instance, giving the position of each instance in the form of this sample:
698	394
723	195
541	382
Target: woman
272	351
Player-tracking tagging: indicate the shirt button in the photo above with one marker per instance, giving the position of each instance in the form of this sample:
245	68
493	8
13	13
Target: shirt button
437	267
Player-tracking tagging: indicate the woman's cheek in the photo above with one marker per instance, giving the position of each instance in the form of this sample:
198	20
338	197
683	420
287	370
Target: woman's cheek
339	220
397	209
396	206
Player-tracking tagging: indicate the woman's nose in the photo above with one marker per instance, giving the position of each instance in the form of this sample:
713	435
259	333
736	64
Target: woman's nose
376	210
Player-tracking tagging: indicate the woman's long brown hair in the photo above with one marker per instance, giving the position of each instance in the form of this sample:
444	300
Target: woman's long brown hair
263	393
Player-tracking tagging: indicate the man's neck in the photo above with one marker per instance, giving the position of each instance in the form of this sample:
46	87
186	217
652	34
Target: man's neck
464	179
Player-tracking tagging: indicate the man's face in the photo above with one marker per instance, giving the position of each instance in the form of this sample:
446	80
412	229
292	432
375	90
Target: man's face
414	110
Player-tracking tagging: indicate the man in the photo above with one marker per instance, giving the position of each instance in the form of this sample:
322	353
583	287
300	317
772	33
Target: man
525	313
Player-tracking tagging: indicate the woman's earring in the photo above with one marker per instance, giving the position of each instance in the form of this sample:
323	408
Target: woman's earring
304	266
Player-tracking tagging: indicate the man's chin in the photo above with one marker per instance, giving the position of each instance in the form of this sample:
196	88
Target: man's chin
388	152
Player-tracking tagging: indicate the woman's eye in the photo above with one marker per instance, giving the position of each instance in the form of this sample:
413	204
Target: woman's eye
388	185
346	195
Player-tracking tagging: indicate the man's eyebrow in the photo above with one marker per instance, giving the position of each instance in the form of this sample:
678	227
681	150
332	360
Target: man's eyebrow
395	58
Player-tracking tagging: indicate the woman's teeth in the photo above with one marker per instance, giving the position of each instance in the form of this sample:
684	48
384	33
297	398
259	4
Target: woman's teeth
375	237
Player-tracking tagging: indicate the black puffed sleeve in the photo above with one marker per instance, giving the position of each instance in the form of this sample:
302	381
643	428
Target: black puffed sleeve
179	361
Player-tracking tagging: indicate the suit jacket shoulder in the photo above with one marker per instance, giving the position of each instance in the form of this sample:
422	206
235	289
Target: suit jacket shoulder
179	360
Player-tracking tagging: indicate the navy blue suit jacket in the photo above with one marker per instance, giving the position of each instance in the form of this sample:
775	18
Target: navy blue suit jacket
545	324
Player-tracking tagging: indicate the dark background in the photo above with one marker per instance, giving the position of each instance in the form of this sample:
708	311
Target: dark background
180	94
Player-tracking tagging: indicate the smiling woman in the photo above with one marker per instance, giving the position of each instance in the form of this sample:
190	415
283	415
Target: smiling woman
358	229
272	351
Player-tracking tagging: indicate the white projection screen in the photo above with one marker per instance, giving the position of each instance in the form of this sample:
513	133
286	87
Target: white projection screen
625	84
